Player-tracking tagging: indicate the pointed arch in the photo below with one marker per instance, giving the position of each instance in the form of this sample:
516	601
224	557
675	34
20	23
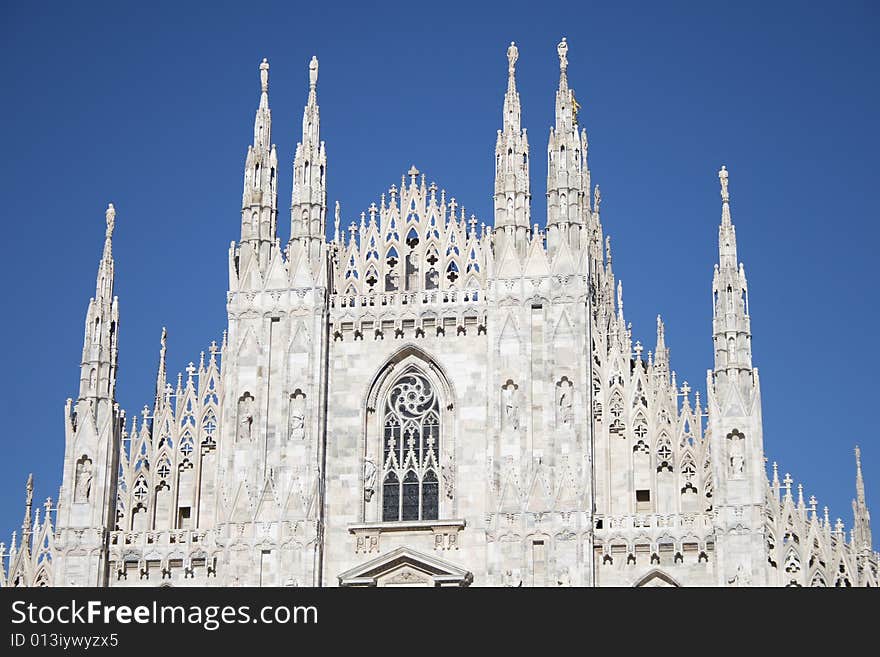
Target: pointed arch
411	355
656	577
408	448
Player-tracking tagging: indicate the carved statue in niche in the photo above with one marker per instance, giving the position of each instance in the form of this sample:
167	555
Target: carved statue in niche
432	279
369	479
735	455
740	578
83	487
564	394
92	379
297	416
511	578
412	273
448	471
510	411
392	281
245	416
564	578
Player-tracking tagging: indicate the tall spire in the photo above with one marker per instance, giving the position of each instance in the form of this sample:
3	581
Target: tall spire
28	505
731	324
259	201
862	524
568	176
308	206
512	193
98	369
161	376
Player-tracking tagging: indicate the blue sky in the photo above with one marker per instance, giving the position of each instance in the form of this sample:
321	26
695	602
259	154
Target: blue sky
151	105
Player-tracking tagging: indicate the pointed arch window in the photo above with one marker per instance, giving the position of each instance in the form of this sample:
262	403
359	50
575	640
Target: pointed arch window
410	448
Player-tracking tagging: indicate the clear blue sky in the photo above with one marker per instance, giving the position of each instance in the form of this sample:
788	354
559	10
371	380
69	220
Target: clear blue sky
150	106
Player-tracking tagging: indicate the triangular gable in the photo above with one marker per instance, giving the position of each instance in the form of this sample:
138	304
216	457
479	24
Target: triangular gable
405	566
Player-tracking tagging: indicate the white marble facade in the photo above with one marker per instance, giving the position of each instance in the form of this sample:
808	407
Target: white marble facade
428	400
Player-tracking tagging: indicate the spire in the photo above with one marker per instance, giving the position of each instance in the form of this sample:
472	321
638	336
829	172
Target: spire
28	504
512	193
661	352
161	376
98	365
568	176
731	324
860	483
308	206
862	524
511	98
259	201
726	232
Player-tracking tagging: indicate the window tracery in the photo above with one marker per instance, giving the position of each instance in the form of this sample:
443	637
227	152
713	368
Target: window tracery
411	444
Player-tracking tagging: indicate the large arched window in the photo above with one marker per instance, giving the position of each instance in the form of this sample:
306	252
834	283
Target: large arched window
410	448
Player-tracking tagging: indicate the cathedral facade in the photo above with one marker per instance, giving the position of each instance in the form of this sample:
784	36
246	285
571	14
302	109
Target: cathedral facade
425	400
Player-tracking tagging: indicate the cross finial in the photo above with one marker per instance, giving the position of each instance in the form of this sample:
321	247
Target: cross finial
685	389
787	481
48	505
413	173
264	75
722	176
638	348
813	502
213	348
512	56
453	205
190	369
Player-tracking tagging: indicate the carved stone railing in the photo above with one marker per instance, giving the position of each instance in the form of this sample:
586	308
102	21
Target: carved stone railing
445	532
399	299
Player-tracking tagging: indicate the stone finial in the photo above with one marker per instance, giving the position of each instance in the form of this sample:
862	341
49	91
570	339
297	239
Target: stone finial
722	177
562	50
597	199
413	173
264	75
512	56
110	214
313	72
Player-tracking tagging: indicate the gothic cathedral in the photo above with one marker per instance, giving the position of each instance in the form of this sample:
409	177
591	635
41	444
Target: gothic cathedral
426	400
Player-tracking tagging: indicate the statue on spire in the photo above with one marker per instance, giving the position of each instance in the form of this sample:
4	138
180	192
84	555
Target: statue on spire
111	220
512	56
313	72
264	75
562	49
722	176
